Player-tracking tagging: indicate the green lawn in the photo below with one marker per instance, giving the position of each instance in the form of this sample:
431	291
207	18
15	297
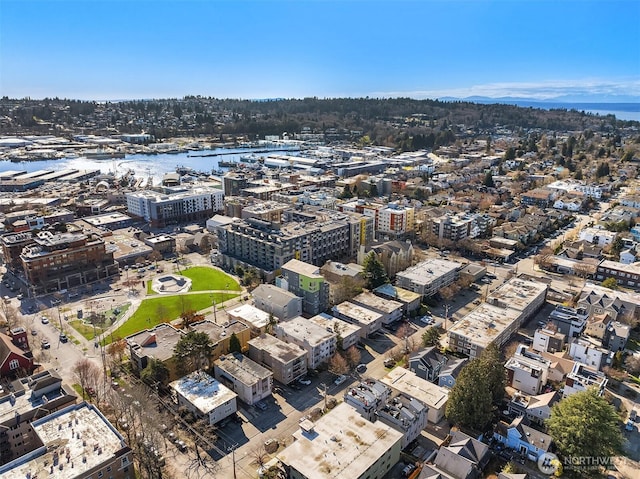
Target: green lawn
163	309
204	278
85	329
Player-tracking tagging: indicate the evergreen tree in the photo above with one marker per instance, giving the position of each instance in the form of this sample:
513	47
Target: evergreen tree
156	371
494	366
234	344
470	399
374	271
192	352
488	180
585	425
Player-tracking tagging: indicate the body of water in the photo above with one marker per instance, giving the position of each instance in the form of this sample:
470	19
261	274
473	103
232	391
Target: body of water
144	166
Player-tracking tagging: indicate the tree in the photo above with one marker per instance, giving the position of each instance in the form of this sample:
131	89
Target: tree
585	425
271	323
191	316
632	364
346	193
470	398
488	180
493	366
155	372
234	344
431	337
88	374
374	271
352	355
610	283
347	289
192	352
338	364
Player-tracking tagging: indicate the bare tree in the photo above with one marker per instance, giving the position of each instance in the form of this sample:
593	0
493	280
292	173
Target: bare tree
338	364
544	259
632	364
88	374
259	455
352	356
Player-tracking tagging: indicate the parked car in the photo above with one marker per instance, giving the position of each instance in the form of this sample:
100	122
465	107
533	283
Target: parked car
45	344
361	367
408	469
63	338
261	405
629	426
181	445
340	379
389	363
304	381
44	320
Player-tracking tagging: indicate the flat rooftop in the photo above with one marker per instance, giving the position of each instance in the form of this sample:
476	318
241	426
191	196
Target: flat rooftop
203	391
327	322
250	314
106	219
341	444
302	268
216	331
277	349
358	313
305	331
80	433
157	343
242	368
370	300
407	382
401	294
428	271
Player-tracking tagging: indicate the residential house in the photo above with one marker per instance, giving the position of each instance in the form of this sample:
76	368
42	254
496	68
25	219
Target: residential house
14	361
449	372
427	363
406	415
548	340
523	439
569	321
526	371
463	458
367	397
583	377
250	381
616	336
534	408
597	236
205	397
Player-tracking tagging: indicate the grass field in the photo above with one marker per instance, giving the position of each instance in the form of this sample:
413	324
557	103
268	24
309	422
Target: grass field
206	279
163	309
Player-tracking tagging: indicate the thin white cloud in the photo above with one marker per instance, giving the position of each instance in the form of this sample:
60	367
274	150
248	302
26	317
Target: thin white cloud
547	90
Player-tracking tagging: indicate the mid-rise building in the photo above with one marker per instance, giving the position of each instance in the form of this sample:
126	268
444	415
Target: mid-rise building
367	397
287	361
368	320
406	415
396	221
319	343
428	277
52	261
205	397
390	310
348	332
304	280
627	275
250	381
496	320
175	204
277	301
74	442
347	445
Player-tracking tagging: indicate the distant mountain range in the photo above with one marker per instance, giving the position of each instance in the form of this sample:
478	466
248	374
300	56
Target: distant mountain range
621	103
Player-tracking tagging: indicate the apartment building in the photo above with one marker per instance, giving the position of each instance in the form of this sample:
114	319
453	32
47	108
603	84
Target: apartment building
496	320
250	381
569	321
581	378
588	351
349	446
304	280
51	261
277	301
205	397
76	441
368	320
396	221
350	333
30	398
453	227
319	343
390	310
627	275
548	341
428	277
367	397
406	415
311	237
287	361
175	204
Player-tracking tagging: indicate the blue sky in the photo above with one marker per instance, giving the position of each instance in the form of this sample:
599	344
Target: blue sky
118	49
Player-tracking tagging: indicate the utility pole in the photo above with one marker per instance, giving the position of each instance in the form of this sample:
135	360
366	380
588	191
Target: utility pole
446	315
233	458
324	387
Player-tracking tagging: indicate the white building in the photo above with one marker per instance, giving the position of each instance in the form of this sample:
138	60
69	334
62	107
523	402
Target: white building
176	205
428	277
391	310
526	371
205	397
367	319
247	378
342	444
319	343
582	378
350	333
597	236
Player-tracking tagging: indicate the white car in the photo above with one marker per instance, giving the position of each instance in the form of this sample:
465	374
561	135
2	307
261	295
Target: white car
44	320
426	319
340	379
